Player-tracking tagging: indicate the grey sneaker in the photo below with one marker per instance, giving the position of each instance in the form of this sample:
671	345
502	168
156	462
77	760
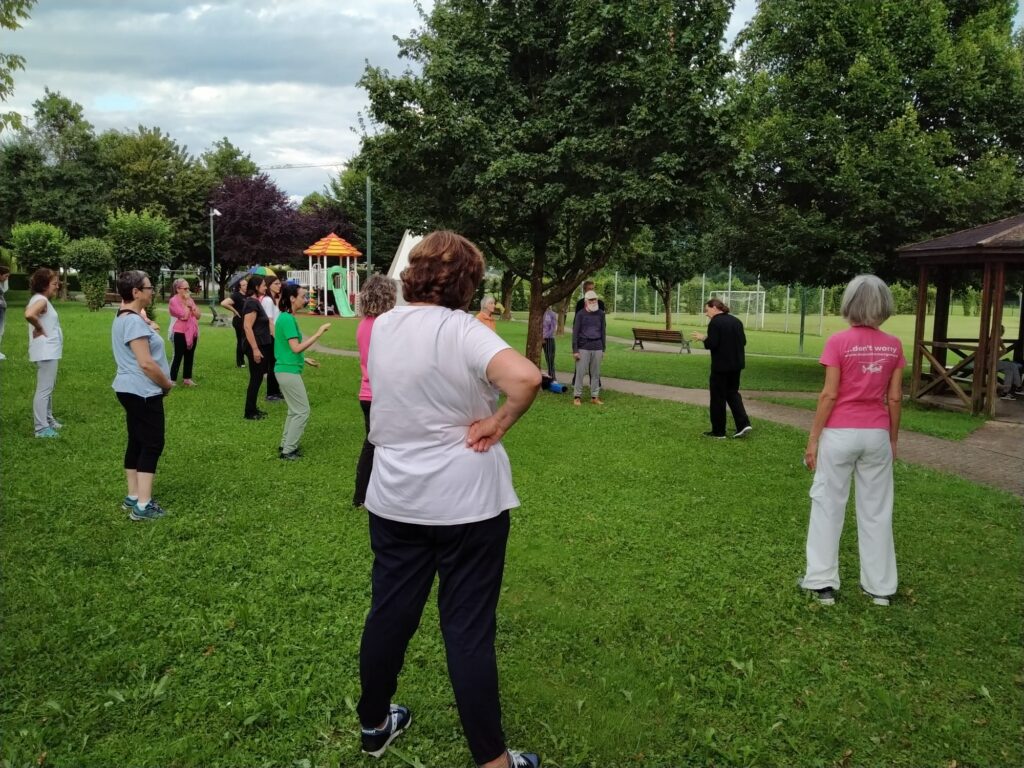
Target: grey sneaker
128	503
523	759
743	432
884	601
152	511
377	740
825	595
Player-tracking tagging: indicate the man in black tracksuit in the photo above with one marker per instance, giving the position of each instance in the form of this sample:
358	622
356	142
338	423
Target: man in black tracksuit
726	340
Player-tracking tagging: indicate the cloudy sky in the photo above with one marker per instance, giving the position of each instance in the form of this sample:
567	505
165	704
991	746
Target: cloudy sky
277	77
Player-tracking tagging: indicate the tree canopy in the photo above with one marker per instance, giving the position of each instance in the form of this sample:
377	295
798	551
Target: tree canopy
554	128
869	125
12	12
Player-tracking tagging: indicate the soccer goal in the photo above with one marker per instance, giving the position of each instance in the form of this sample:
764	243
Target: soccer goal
745	305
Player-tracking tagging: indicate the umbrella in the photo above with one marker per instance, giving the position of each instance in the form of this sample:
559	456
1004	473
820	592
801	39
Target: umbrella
235	279
264	271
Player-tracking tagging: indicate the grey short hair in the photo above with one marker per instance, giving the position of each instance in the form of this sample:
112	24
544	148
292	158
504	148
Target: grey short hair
487	299
178	283
867	301
129	281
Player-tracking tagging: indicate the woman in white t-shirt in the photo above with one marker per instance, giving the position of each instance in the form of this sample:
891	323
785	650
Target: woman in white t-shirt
45	348
440	492
855	431
269	303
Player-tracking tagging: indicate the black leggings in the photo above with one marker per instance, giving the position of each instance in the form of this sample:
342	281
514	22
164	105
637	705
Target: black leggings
144	417
273	388
236	323
365	465
181	350
256	372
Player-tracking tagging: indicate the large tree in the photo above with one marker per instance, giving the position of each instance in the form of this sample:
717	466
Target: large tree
553	126
224	160
12	12
869	125
257	225
148	171
52	170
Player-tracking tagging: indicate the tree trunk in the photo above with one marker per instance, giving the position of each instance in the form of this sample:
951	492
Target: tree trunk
508	284
535	328
562	309
666	298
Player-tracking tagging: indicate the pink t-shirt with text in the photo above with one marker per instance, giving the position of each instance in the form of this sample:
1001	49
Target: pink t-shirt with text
363	342
866	358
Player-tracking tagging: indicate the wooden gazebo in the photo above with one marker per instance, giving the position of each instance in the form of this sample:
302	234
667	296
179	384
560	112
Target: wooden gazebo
966	367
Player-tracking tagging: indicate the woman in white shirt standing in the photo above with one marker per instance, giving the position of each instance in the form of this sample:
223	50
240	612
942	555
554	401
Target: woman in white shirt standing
45	348
269	303
440	492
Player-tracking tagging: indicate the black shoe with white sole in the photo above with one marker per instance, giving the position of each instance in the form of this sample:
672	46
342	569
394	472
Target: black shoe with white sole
377	740
743	432
523	759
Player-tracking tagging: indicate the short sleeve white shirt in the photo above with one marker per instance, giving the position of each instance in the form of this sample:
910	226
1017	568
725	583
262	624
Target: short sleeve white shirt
271	308
427	367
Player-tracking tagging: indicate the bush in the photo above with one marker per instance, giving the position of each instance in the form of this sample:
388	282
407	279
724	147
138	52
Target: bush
93	259
38	244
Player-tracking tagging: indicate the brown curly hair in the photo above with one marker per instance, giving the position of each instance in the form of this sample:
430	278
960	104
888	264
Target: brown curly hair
41	279
377	296
444	269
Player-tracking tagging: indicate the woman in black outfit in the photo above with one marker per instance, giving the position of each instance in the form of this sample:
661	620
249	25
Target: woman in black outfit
234	304
258	344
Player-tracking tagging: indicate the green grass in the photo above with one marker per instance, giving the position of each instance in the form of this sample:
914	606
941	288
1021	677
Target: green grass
648	615
948	425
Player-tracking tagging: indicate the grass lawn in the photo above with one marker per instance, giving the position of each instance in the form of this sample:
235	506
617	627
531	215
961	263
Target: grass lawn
648	618
949	425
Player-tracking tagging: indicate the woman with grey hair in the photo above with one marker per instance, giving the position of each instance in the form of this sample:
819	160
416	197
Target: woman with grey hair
377	297
184	329
855	429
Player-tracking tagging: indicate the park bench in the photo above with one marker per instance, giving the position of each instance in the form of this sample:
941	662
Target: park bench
218	318
111	298
640	335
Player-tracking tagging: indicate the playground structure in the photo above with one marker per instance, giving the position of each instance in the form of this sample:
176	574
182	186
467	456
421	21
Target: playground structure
337	285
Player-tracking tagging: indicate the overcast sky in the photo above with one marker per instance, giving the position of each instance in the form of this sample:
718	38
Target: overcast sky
277	77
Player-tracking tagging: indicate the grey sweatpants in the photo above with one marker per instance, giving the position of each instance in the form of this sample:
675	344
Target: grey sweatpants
589	364
42	403
294	392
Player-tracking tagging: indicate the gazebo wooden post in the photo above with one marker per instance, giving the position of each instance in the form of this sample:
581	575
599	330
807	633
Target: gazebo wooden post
982	377
940	333
995	348
922	309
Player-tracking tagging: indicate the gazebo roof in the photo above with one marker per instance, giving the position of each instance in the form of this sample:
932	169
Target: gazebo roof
1001	240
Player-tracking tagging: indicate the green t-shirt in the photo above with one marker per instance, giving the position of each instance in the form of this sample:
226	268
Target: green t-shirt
287	327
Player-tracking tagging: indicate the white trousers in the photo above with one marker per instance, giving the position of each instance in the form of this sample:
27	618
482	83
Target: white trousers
864	454
42	403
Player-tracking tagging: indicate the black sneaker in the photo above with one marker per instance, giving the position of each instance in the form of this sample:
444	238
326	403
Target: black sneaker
714	435
290	456
258	416
377	740
743	432
825	596
523	759
275	398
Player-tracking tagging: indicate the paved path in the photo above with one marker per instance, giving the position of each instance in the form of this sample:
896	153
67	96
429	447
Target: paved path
992	455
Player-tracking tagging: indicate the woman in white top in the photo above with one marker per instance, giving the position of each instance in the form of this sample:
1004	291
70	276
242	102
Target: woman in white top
440	492
45	348
269	303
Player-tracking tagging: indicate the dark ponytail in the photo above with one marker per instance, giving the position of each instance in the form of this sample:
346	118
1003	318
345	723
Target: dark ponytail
719	305
288	292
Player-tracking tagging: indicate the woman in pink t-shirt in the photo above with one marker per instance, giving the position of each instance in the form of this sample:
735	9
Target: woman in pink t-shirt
854	433
377	297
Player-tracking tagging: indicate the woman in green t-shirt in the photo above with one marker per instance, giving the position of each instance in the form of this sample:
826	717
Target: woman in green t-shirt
288	349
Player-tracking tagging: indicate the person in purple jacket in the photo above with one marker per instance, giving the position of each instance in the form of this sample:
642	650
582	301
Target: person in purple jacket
550	325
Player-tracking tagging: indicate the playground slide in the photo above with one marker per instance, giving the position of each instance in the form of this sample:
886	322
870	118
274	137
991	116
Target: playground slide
340	294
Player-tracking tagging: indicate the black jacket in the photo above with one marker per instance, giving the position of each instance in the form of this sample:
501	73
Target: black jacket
726	341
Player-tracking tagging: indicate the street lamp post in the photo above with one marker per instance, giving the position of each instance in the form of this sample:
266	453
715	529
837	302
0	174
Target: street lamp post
213	212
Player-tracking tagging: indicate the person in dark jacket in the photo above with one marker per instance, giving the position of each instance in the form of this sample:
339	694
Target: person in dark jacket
588	344
725	340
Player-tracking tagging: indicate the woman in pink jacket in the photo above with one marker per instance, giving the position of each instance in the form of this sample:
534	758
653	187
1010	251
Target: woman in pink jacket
184	329
377	297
